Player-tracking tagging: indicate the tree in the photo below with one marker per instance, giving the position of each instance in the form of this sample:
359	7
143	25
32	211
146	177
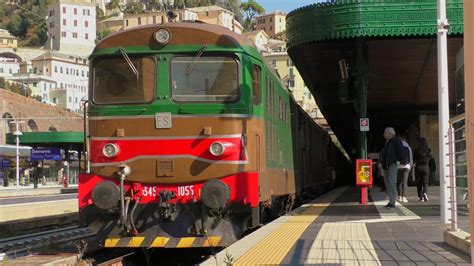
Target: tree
102	34
133	8
14	25
99	13
281	36
251	9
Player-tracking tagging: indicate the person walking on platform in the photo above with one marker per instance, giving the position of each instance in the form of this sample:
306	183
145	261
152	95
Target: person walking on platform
391	156
406	164
422	158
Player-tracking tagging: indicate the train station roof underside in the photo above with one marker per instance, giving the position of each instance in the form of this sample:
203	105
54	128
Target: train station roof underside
390	47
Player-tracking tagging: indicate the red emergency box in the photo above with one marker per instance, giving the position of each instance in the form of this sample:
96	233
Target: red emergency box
363	177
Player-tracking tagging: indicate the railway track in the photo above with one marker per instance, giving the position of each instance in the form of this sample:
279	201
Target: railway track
14	247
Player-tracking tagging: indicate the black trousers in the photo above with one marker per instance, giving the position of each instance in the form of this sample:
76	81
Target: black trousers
422	173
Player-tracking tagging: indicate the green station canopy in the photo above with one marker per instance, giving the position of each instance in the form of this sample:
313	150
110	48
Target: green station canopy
48	139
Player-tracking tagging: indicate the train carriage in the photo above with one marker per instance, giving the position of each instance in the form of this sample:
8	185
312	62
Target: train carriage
191	139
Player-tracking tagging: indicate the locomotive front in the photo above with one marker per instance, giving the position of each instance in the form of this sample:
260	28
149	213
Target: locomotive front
174	139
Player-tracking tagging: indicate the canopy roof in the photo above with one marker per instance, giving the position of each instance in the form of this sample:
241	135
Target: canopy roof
388	44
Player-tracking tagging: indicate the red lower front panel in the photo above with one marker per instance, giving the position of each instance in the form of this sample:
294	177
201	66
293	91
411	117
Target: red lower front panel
243	189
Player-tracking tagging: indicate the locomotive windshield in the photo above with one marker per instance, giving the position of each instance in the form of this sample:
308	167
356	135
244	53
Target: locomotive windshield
210	79
114	81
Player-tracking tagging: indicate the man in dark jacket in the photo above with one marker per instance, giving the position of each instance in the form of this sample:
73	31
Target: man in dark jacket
390	158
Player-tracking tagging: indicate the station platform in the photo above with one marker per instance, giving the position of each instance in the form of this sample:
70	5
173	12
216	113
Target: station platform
23	191
335	229
29	204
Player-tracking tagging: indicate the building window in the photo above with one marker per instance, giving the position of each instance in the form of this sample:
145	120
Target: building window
274	63
289	62
64	22
67	70
64	10
75	11
55	69
271	28
61	71
271	19
87	36
75	23
47	70
35	84
83	73
290	72
74	35
207	14
86	23
280	20
291	83
70	99
154	19
51	13
51	25
88	12
63	34
1	70
139	21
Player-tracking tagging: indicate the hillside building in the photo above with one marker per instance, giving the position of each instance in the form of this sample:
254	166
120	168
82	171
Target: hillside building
272	23
71	26
7	40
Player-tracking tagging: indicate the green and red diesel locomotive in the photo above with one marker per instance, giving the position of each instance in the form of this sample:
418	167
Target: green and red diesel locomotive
192	140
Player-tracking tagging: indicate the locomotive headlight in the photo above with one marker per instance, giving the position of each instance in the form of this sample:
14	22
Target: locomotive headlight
216	148
110	150
162	36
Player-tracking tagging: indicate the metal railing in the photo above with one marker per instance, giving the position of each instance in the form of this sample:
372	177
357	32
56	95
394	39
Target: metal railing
457	169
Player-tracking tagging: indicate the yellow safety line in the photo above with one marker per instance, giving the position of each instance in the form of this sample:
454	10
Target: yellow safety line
275	246
159	242
111	242
186	242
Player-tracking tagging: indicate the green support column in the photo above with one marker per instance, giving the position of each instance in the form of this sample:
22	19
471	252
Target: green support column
362	83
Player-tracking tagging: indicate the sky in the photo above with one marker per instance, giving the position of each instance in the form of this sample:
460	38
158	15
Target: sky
284	5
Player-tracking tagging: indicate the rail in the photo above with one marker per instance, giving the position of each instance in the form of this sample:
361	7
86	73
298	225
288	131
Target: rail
457	169
19	246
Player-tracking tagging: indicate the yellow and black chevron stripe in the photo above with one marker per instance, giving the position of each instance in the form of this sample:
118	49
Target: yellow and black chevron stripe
163	242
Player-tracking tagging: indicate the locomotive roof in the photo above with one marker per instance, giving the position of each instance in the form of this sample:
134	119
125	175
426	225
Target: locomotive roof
181	33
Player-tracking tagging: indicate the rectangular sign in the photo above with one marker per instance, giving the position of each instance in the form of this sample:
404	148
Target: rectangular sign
364	124
40	154
364	172
5	163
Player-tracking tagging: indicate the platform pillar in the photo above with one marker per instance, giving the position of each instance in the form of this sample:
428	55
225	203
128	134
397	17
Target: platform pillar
469	106
362	84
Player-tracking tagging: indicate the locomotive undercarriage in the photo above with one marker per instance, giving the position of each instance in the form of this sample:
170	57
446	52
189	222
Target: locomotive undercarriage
173	222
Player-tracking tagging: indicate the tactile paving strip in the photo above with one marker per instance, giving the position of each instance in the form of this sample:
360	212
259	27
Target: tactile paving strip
274	247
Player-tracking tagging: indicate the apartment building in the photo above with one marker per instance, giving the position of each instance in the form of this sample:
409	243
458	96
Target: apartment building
272	23
9	64
259	38
218	16
71	26
277	57
210	14
159	17
7	40
58	78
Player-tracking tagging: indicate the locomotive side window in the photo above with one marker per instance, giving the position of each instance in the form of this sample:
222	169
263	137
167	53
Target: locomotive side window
256	85
207	79
114	82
